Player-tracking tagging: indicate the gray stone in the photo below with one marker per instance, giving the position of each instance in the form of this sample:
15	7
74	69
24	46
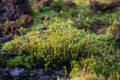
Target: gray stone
18	72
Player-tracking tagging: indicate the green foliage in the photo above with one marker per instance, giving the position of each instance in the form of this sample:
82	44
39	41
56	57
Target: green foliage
81	16
54	45
106	65
22	61
75	68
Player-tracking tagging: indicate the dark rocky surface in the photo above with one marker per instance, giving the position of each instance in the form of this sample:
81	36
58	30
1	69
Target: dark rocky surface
35	74
6	53
6	38
97	5
5	75
13	9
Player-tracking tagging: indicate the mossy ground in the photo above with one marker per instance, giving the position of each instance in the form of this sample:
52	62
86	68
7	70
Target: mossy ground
70	41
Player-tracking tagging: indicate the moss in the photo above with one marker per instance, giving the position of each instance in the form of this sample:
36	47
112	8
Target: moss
64	36
22	61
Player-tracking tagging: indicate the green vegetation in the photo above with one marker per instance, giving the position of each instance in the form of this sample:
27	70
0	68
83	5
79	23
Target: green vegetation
70	41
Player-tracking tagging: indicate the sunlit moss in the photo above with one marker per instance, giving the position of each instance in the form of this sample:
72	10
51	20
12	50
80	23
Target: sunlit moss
69	39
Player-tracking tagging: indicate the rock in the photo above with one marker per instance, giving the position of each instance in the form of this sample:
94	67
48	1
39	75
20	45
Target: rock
40	72
13	9
33	73
104	7
24	74
6	75
19	73
6	53
60	73
48	78
6	38
54	76
18	11
1	73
